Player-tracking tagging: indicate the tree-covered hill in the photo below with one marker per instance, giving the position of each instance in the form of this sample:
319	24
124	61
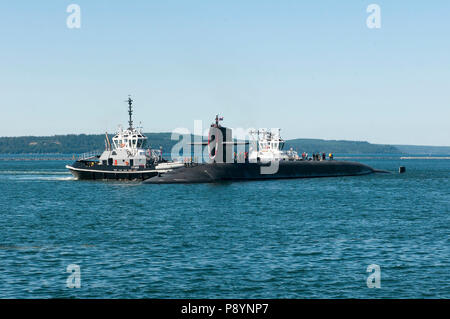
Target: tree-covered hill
69	144
340	147
76	144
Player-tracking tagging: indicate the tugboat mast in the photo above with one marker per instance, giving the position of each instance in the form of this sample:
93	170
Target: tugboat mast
130	112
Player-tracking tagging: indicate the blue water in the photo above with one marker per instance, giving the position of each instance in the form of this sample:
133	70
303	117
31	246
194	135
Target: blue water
308	238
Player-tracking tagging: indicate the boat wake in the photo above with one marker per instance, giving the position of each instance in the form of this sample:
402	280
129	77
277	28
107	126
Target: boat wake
381	171
9	172
42	178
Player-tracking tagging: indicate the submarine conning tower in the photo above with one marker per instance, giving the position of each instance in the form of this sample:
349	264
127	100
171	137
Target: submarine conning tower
220	142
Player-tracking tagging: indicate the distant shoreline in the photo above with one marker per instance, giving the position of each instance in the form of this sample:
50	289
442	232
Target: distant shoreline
66	157
71	144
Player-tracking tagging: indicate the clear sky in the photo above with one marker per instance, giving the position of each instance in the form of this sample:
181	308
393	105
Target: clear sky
312	68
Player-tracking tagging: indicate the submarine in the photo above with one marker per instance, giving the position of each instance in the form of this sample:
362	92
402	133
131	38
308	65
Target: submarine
265	160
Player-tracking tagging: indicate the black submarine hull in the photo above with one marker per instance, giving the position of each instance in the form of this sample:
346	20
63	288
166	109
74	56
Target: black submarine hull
216	172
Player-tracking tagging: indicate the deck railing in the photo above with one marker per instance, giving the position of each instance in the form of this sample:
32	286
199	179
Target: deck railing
89	155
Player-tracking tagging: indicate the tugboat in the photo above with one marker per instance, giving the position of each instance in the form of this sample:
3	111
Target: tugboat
126	158
265	160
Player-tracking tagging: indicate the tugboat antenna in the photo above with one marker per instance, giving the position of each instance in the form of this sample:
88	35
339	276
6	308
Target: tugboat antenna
130	112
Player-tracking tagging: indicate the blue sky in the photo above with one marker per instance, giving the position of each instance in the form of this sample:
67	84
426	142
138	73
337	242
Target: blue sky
312	68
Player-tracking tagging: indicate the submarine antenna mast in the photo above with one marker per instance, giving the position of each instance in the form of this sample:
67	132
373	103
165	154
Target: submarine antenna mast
218	119
130	112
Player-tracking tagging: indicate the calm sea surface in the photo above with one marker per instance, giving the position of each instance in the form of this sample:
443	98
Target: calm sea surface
307	238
